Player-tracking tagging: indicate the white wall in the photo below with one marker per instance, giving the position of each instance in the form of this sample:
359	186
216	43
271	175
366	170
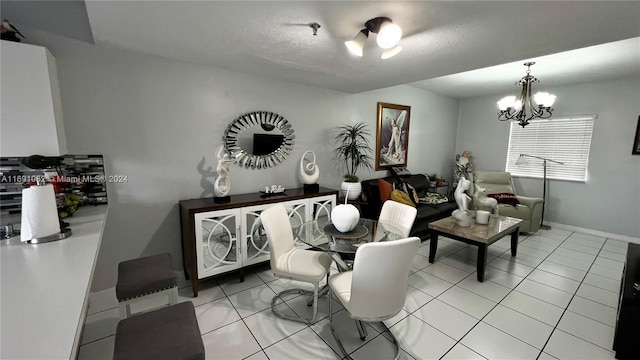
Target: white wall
154	120
609	201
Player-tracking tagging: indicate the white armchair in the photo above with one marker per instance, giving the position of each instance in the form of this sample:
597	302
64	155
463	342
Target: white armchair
495	182
376	289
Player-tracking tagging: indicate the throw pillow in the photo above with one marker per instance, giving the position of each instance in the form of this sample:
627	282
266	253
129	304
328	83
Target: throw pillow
505	198
385	189
401	197
411	191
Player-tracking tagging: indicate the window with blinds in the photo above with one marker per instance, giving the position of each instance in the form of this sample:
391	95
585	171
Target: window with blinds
566	140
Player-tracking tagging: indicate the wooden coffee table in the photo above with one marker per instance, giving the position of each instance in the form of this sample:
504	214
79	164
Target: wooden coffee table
479	235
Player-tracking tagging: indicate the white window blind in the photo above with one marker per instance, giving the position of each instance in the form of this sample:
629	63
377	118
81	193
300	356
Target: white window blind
566	140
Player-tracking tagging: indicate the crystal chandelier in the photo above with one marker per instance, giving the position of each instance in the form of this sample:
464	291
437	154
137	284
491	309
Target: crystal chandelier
523	110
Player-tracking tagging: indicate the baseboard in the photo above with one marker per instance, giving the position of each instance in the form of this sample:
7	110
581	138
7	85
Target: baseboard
594	232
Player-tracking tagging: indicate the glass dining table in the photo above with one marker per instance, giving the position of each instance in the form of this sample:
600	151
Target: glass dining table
321	235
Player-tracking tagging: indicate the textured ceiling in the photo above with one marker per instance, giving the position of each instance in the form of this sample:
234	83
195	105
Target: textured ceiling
441	38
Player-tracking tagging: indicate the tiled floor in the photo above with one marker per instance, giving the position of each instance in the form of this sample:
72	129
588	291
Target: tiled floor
556	299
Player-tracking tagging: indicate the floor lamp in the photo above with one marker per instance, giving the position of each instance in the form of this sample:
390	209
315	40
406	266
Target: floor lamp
522	160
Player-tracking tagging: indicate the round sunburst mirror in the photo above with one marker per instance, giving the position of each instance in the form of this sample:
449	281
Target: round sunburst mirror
259	139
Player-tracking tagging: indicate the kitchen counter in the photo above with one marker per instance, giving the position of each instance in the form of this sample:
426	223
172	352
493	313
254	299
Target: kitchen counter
44	290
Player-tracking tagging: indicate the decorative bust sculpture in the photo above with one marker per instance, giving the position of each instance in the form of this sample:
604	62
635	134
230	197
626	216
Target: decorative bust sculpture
461	214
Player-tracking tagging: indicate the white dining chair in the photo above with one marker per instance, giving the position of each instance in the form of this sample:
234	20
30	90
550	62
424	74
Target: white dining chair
376	288
290	262
397	218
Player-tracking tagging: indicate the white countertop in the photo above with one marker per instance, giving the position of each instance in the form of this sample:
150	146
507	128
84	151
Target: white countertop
44	289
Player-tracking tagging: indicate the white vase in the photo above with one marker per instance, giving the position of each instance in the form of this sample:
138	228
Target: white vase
354	189
345	217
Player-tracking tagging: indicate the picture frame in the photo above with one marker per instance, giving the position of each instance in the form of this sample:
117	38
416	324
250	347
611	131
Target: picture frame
636	142
392	135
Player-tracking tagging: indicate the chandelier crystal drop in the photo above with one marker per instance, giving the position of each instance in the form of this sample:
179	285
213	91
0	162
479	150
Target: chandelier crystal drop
522	109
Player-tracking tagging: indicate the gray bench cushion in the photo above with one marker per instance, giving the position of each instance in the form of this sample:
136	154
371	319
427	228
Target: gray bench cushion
145	275
169	333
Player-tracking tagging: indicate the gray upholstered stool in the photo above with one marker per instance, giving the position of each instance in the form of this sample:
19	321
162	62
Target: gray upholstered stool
168	333
145	276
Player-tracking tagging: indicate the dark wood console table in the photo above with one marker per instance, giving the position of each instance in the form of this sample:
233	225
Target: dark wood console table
221	237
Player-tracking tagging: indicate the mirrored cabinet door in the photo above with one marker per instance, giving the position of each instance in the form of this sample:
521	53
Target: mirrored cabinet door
217	241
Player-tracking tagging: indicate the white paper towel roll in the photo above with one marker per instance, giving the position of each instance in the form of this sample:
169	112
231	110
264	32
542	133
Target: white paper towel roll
39	213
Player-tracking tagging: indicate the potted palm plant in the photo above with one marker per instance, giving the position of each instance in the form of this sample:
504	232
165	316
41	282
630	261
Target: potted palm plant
351	153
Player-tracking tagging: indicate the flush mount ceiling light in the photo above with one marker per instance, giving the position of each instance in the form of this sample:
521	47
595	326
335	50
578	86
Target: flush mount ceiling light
389	34
523	110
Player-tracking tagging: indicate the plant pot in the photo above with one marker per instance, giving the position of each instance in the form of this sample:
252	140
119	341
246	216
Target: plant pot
439	182
355	189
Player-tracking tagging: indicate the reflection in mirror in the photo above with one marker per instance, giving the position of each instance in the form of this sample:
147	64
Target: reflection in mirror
259	139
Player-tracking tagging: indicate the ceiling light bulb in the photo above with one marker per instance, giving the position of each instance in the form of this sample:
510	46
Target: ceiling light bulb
506	102
391	52
389	35
355	46
544	99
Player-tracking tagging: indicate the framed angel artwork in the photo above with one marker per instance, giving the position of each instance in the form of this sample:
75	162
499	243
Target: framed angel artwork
392	136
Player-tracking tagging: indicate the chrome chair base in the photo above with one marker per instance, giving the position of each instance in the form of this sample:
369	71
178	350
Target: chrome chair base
313	295
361	330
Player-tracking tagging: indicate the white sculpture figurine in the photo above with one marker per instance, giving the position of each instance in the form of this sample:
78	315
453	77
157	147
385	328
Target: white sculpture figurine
483	202
222	185
310	172
461	214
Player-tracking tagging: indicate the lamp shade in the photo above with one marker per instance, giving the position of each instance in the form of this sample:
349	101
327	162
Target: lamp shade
355	46
544	99
506	102
391	52
389	35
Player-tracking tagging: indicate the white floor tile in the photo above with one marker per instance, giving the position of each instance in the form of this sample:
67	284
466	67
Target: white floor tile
525	328
215	314
599	295
420	340
606	272
495	344
304	344
428	283
447	319
378	348
251	301
446	272
613	255
487	289
581	248
587	329
511	266
231	283
260	355
346	330
461	352
534	243
502	277
524	259
460	263
565	346
102	300
612	264
558	269
530	251
235	339
269	329
602	282
555	281
582	265
574	254
100	325
545	356
98	350
535	308
544	293
466	301
593	310
207	291
415	299
420	262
